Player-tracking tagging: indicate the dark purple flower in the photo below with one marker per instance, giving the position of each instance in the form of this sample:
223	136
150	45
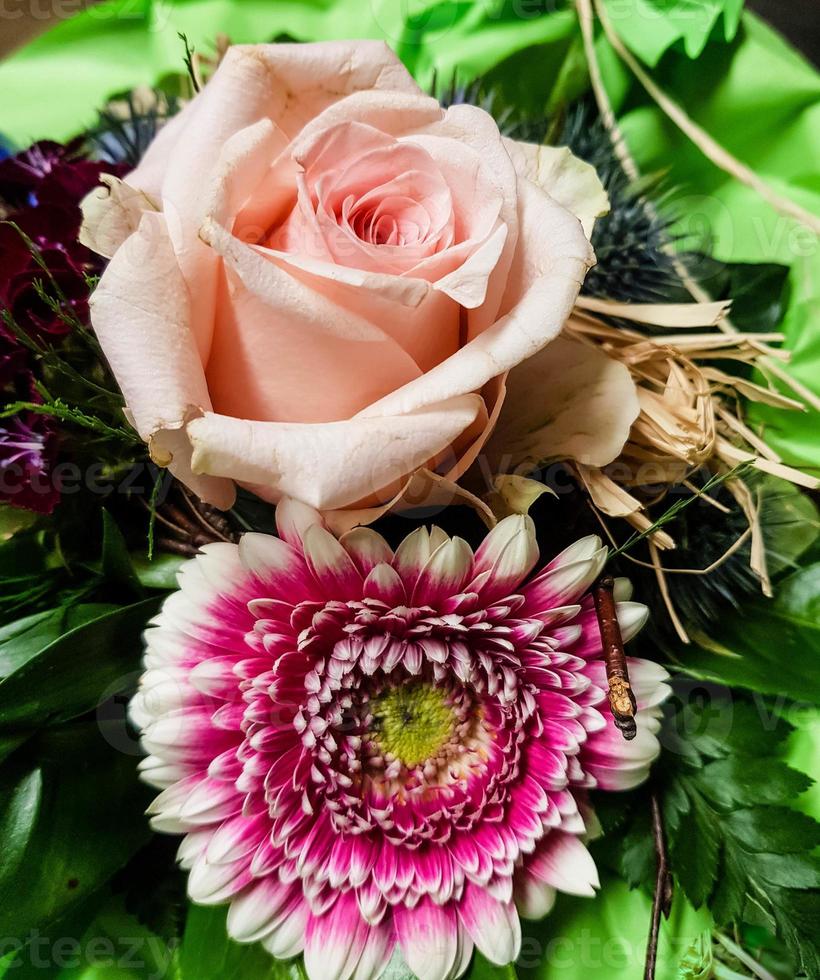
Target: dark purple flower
49	173
27	450
41	190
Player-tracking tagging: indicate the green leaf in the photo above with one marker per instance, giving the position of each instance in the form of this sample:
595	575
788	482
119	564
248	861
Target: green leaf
651	27
733	782
26	638
20	798
759	293
159	572
88	822
770	647
695	852
70	675
605	938
116	561
208	954
14	519
777	829
482	969
729	845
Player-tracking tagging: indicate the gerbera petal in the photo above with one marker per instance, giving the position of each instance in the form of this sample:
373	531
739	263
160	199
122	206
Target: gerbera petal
507	555
493	926
428	937
564	862
303	695
335	941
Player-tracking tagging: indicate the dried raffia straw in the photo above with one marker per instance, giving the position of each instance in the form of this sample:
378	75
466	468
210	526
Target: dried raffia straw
677	315
688	418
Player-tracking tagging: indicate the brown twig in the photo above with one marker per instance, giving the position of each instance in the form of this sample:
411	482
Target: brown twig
621	697
662	898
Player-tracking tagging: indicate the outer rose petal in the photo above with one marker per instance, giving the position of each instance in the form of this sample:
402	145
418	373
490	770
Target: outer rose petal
111	213
568	180
141	315
327	465
569	401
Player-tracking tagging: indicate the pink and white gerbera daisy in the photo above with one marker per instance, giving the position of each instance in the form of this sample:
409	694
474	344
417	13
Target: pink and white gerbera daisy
368	749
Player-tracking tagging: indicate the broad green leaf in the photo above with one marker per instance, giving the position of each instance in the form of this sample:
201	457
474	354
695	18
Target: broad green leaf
208	954
605	938
70	675
116	561
122	44
159	572
20	798
14	519
651	27
26	638
740	94
769	646
88	824
482	969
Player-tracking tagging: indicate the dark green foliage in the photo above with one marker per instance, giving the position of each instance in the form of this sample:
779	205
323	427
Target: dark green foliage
734	841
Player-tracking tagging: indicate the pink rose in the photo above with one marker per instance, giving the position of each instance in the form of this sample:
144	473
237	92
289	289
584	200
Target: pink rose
320	279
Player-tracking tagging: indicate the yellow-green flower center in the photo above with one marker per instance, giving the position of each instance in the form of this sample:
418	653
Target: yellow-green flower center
412	722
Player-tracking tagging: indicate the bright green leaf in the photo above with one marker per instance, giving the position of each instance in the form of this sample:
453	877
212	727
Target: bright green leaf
605	938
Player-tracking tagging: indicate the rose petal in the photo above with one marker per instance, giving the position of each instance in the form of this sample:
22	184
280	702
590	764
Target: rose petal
570	181
140	314
554	261
313	463
568	401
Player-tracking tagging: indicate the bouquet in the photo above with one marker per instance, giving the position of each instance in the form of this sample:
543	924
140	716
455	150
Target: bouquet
409	540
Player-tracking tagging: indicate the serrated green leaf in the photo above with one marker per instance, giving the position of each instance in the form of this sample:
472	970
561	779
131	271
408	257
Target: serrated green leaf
773	829
784	870
651	27
637	852
695	852
799	920
744	781
70	675
729	896
770	647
